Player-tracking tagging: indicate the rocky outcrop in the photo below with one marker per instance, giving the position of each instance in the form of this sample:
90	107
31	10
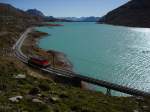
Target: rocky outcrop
135	13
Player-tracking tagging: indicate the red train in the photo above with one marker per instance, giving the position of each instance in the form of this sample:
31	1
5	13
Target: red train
38	61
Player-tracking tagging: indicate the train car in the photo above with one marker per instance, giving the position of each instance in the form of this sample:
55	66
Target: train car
38	61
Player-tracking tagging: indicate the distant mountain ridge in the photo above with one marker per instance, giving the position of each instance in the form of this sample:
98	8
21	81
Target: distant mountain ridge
82	19
135	13
91	19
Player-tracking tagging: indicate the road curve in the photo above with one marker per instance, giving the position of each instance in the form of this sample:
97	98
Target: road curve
59	72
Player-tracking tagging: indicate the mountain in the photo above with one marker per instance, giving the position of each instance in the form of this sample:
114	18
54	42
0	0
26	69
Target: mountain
10	15
82	19
53	19
35	12
91	19
69	18
135	13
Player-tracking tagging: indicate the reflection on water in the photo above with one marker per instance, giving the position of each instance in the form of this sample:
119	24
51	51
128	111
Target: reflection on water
116	54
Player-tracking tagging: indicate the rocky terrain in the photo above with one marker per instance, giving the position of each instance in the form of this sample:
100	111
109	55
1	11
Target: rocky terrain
135	13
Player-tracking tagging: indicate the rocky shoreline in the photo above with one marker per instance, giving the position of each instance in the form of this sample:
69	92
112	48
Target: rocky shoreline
57	59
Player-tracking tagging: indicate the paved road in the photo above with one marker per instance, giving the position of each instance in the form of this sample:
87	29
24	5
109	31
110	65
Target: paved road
59	72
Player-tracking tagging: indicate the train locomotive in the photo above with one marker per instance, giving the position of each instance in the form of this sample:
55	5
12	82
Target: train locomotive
38	61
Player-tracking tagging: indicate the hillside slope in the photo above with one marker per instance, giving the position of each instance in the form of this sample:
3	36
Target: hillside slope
135	13
11	15
13	21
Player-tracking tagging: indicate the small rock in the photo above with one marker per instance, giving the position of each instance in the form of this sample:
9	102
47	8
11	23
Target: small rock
145	107
15	99
135	111
140	99
54	99
37	101
20	76
39	95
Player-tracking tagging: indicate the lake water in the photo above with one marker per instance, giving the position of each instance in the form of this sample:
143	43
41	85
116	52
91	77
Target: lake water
117	54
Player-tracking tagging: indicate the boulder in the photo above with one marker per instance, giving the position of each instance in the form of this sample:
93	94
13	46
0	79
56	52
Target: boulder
15	99
54	99
37	101
20	76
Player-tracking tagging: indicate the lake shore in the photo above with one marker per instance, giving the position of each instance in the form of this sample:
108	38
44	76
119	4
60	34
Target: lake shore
56	59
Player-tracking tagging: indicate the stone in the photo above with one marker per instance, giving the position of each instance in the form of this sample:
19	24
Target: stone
15	99
54	99
145	107
39	95
37	101
20	76
140	99
135	111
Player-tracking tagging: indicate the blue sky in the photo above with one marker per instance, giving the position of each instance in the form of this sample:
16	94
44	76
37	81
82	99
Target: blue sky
68	8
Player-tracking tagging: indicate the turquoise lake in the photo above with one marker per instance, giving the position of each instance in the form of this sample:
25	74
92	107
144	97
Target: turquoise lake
117	54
